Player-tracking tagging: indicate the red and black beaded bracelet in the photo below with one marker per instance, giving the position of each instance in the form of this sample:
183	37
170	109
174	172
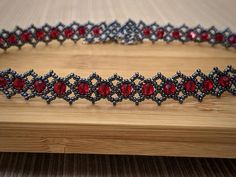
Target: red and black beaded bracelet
115	89
128	33
137	88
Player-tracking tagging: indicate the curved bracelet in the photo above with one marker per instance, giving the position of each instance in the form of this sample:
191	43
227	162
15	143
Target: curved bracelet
115	89
129	33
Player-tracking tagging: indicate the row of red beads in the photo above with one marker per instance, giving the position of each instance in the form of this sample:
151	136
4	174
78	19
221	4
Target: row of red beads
126	89
191	35
53	34
97	31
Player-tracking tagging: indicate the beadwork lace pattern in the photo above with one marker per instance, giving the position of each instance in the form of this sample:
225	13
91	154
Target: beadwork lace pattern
127	33
116	88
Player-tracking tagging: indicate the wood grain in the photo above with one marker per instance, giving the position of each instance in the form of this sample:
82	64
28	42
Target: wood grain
191	129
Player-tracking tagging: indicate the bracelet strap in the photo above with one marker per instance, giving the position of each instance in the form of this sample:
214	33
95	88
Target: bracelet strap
115	89
128	33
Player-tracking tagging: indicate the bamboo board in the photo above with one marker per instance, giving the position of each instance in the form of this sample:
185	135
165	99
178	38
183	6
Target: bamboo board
191	129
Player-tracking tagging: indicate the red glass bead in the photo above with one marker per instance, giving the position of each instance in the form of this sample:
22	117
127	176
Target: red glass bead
190	86
54	33
3	82
126	89
40	34
146	31
11	39
224	81
191	35
96	31
25	37
68	32
160	33
176	34
104	89
59	88
169	89
39	86
1	41
219	37
204	36
148	89
232	39
18	83
83	88
208	85
82	31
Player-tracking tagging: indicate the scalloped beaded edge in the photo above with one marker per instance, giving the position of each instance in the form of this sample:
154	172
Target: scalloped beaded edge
128	33
115	89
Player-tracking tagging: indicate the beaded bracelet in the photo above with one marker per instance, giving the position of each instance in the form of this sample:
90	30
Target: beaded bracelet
115	89
128	33
137	88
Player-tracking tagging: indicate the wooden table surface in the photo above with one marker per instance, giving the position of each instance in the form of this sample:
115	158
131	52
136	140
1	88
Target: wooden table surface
191	129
